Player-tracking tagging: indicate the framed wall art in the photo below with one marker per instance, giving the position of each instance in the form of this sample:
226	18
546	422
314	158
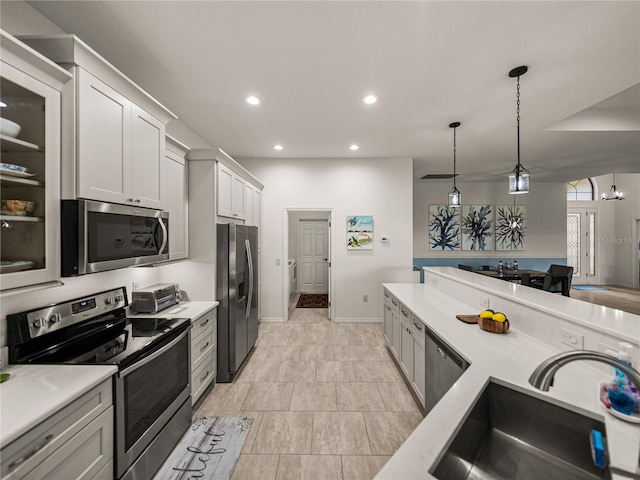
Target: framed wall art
444	227
511	227
477	227
360	232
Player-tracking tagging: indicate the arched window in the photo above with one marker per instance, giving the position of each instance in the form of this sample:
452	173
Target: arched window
580	190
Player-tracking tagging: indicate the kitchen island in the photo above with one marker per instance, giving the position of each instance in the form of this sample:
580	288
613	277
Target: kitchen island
537	320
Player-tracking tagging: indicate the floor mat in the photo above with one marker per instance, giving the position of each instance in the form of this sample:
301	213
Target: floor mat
586	287
313	300
209	449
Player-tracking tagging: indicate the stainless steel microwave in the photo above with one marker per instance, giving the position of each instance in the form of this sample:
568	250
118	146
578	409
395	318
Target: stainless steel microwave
100	236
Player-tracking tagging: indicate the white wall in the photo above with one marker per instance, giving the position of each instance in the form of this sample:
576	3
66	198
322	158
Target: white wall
546	222
378	187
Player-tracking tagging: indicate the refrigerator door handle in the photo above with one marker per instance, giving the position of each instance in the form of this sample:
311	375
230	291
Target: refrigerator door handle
250	262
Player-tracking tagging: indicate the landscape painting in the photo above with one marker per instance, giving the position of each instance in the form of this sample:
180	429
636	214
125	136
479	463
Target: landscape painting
511	227
444	227
360	232
477	227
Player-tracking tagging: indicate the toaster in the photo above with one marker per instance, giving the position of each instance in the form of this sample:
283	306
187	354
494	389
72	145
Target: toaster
155	298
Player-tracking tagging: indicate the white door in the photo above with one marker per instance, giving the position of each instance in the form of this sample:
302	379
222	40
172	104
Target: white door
582	246
313	256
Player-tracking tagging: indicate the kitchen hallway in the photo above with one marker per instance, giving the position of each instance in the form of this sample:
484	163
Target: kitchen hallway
327	400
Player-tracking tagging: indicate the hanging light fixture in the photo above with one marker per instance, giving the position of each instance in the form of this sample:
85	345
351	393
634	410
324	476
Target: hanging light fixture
515	220
455	197
614	194
519	178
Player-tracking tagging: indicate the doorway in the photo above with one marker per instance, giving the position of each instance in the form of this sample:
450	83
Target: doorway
308	253
581	245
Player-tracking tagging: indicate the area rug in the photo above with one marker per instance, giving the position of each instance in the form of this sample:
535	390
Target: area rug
586	287
313	300
209	449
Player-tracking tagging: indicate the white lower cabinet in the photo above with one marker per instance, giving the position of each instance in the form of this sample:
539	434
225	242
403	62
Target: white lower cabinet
204	346
74	443
405	336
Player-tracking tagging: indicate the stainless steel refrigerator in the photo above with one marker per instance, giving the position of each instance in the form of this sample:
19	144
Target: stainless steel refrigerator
237	292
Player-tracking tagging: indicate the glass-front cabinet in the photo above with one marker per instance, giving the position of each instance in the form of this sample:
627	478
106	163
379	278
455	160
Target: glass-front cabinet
30	87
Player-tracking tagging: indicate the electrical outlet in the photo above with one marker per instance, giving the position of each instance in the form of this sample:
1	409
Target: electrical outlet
572	339
365	298
277	262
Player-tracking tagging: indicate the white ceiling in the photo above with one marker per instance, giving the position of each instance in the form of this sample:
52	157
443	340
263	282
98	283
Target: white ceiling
430	62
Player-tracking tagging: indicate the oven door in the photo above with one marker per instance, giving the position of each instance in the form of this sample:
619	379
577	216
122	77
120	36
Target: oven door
148	394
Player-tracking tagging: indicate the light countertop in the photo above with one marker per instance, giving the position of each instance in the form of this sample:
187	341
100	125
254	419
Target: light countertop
35	392
187	309
509	359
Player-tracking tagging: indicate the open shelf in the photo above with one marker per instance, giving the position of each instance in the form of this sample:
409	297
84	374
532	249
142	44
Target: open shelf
8	181
10	144
18	218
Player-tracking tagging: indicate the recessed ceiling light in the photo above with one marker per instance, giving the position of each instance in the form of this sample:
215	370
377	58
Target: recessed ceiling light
354	147
369	99
253	100
278	147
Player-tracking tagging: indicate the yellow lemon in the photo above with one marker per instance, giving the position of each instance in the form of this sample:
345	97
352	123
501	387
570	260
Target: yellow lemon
486	314
499	317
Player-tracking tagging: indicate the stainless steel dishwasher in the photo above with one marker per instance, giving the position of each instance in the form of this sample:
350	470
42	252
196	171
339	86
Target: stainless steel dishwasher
443	368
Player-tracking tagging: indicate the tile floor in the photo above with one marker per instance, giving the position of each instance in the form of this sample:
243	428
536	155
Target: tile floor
327	401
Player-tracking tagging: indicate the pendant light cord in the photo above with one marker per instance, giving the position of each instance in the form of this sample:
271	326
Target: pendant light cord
518	118
454	157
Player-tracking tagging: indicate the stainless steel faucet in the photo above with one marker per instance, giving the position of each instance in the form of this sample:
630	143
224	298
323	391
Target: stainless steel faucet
542	377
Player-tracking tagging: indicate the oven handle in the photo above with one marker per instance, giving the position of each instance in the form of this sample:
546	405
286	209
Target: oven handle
165	236
153	356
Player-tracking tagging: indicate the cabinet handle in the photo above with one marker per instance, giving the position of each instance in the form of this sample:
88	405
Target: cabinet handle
205	322
137	200
204	347
417	326
205	376
129	199
21	460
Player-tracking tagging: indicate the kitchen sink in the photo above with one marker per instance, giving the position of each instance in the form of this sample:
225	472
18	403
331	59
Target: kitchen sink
513	435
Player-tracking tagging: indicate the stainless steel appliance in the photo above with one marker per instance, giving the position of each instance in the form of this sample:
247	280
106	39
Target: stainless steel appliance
152	387
237	292
155	298
99	236
443	368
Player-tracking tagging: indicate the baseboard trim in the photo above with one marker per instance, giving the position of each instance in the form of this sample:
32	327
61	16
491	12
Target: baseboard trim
272	320
358	320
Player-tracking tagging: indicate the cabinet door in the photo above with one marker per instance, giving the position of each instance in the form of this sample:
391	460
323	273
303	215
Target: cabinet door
396	336
406	352
388	324
147	150
30	243
225	186
257	197
238	200
419	367
104	141
174	198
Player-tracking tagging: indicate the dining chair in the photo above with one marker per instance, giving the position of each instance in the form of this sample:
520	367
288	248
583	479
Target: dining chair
556	280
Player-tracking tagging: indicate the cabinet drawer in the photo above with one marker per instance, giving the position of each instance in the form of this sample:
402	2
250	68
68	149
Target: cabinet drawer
203	322
202	346
32	448
82	457
417	327
202	376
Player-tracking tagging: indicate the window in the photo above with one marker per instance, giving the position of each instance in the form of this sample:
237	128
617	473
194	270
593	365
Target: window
580	190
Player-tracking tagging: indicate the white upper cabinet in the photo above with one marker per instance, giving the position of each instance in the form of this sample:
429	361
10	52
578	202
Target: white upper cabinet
30	240
252	205
174	194
231	194
113	131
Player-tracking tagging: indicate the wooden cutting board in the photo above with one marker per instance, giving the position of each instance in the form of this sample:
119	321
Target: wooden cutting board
468	318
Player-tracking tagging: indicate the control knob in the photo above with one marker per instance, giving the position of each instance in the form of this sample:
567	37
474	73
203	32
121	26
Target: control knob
108	301
55	318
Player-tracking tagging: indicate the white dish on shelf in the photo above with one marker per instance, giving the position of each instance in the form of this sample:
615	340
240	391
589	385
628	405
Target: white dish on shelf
13	173
9	128
17	266
633	418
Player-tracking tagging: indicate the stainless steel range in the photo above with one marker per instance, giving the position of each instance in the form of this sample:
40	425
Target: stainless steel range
152	387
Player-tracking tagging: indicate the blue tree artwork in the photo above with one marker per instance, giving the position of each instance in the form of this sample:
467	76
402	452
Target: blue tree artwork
444	228
477	227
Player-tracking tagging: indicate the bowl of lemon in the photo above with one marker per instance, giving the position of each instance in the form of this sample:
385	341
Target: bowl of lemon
494	322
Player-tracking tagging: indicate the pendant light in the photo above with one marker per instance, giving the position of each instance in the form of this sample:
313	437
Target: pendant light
614	194
519	178
455	197
515	220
